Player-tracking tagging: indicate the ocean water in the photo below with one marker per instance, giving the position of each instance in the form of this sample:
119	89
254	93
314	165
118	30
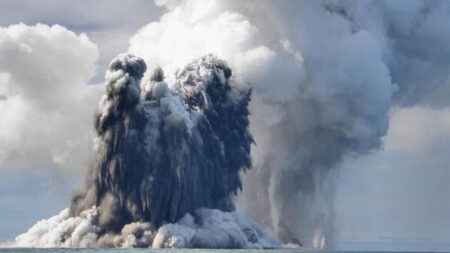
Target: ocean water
96	250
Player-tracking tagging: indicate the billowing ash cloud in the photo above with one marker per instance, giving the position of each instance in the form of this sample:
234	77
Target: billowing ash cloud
173	151
324	74
168	158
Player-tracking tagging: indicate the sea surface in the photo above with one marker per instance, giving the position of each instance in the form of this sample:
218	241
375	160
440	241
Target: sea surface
64	250
97	250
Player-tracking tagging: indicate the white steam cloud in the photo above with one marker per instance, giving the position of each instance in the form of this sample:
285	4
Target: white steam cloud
45	103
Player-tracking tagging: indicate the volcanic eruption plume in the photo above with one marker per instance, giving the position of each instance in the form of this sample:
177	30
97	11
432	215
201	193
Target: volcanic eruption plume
168	158
325	75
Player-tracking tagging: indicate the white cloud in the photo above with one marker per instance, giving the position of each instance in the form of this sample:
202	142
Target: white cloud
196	28
109	23
46	115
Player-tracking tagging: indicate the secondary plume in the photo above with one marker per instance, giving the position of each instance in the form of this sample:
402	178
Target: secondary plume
324	74
168	158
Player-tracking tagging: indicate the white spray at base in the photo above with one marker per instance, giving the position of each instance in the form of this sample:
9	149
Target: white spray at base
206	228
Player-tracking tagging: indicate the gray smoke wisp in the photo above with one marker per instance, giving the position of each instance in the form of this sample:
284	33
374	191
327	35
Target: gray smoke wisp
168	158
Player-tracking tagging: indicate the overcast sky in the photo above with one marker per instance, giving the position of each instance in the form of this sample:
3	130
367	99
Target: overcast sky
394	198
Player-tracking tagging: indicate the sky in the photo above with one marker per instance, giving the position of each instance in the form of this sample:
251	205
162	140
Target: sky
394	197
398	197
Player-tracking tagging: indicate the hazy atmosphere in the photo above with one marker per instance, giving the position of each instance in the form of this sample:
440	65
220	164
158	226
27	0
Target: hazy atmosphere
350	109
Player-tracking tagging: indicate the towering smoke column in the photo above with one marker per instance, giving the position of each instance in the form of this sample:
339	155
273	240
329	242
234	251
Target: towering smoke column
172	152
164	154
